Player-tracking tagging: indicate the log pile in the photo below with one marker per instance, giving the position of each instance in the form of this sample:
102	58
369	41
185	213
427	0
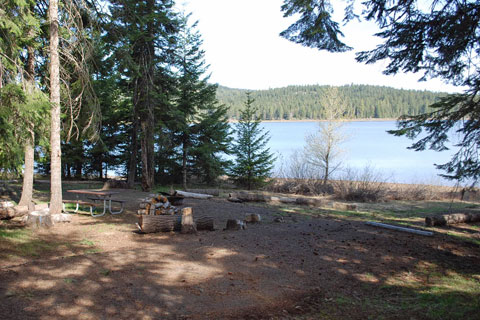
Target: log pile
454	218
157	214
156	205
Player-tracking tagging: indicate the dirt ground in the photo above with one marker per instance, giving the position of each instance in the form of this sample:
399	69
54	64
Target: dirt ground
101	268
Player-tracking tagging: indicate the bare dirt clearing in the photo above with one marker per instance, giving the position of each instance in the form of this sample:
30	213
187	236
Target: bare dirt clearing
314	265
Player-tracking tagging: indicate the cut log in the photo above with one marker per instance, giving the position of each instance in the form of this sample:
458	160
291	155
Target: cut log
205	223
12	212
39	219
6	204
233	224
188	225
192	195
448	219
212	192
409	230
252	218
150	223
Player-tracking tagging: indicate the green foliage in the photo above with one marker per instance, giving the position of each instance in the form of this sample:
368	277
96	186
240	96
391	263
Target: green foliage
307	102
19	107
253	161
440	39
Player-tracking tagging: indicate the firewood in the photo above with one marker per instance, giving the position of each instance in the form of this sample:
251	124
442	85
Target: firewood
188	225
160	223
448	219
205	223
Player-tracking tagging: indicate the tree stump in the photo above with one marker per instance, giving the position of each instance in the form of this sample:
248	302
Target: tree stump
205	223
188	225
39	219
161	223
252	218
234	224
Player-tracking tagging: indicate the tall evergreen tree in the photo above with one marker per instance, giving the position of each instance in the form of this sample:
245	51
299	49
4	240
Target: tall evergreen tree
199	122
142	33
253	162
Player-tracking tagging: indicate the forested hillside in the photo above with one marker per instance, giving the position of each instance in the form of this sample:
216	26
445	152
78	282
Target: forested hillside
305	102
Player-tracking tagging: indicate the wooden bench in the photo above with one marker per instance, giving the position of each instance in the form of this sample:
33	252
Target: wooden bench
80	203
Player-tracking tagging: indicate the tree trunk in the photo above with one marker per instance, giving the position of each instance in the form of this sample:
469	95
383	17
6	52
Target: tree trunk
184	164
448	219
132	166
27	186
56	153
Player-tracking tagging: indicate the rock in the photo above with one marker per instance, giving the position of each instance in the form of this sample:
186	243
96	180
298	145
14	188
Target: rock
279	219
234	224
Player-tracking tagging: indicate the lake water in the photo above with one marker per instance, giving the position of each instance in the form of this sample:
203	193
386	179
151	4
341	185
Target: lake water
368	145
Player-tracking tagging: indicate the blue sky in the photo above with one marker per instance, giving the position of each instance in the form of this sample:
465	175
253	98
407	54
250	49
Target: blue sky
244	50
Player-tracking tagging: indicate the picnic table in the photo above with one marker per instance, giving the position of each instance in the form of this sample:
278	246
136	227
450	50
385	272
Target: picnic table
96	195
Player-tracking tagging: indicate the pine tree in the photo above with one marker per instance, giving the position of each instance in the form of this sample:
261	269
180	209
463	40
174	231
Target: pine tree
199	122
253	160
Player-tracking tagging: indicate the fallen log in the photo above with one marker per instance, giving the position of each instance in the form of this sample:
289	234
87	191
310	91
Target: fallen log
192	195
205	223
8	213
150	223
310	202
454	218
248	196
397	228
212	192
260	197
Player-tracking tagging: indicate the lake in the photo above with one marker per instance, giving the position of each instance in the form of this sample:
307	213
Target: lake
368	144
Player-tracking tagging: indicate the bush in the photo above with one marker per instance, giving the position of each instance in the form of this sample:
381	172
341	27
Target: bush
361	186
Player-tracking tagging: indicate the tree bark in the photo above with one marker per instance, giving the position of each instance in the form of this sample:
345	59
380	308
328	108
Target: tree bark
151	223
132	167
27	185
205	223
7	213
184	163
55	147
454	218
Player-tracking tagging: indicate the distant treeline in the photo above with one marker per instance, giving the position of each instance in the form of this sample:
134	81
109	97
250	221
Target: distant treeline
305	102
